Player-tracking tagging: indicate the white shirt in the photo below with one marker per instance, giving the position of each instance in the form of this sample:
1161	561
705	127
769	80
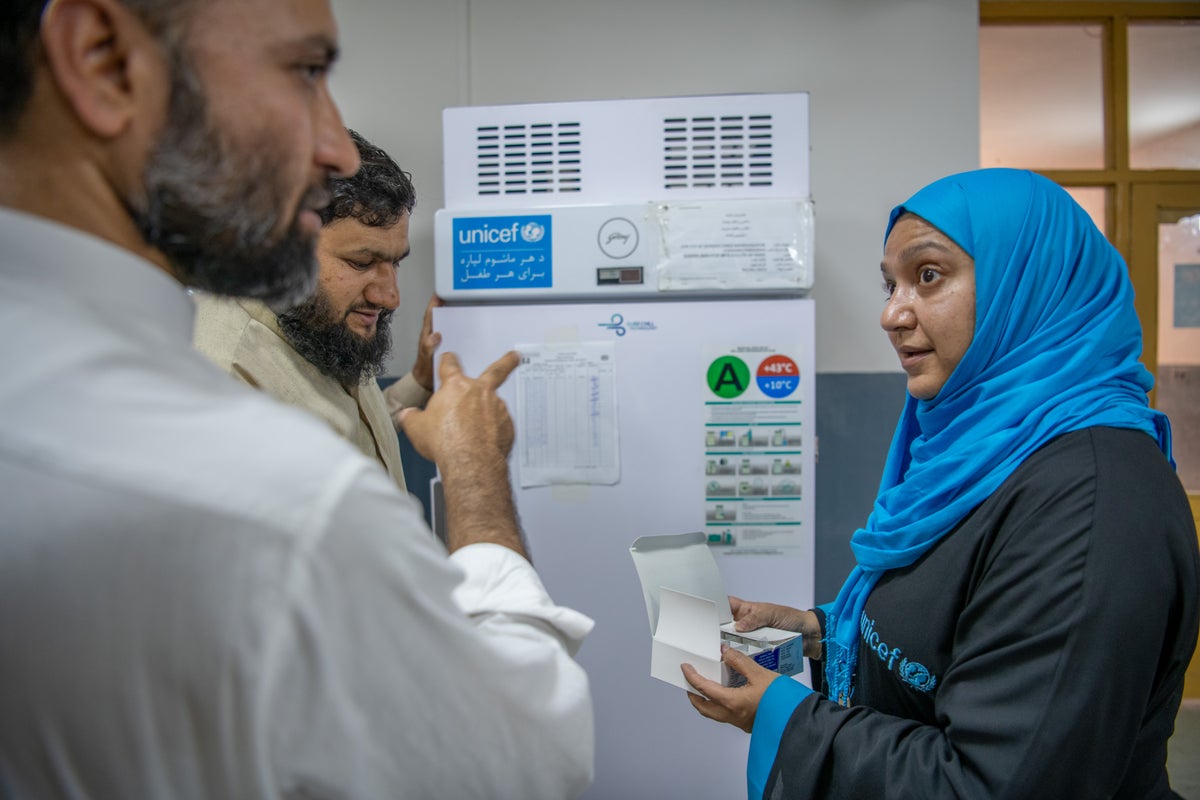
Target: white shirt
206	594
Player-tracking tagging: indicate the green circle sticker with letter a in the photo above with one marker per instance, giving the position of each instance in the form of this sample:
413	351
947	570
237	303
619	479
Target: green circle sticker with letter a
728	377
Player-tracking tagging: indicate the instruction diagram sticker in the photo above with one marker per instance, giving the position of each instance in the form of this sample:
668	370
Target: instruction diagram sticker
754	449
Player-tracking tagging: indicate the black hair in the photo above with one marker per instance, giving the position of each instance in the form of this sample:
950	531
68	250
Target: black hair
18	43
377	195
20	21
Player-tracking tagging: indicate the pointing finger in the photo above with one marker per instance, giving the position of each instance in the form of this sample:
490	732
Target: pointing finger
499	370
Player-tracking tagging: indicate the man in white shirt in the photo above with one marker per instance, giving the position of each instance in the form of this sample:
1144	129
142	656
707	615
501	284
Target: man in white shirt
204	593
324	354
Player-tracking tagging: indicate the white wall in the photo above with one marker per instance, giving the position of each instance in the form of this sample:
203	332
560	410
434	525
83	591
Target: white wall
894	90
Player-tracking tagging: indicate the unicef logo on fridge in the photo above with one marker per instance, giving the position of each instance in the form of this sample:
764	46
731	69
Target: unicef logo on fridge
511	252
532	232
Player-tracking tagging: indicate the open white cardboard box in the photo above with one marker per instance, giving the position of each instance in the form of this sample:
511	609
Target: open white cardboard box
690	616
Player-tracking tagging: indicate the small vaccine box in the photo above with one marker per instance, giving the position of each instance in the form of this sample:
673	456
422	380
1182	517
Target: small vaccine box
690	616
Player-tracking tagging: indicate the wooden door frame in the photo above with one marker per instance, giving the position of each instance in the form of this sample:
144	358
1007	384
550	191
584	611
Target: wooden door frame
1148	201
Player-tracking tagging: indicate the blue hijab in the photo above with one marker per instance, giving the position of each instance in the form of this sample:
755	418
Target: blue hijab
1055	349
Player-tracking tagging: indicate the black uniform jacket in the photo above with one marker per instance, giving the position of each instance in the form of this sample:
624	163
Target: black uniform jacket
1036	651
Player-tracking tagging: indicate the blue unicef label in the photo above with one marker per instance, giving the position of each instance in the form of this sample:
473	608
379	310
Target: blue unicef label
502	252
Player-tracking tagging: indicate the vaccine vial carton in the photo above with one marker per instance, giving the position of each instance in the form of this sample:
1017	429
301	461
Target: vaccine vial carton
690	618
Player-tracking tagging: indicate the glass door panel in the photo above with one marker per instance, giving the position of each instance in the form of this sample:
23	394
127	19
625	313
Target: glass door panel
1165	262
1164	95
1178	382
1041	96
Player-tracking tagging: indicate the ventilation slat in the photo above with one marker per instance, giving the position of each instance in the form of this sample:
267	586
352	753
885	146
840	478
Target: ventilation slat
691	146
703	151
539	156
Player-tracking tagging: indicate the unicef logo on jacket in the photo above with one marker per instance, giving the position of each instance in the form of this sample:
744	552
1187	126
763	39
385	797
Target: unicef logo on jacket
913	673
916	675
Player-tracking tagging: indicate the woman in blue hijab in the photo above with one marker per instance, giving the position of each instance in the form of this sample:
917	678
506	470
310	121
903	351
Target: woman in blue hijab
1024	602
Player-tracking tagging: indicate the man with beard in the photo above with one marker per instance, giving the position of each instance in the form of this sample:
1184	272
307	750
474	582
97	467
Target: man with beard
324	354
205	593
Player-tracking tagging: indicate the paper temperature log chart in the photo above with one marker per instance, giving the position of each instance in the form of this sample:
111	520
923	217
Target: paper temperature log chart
567	412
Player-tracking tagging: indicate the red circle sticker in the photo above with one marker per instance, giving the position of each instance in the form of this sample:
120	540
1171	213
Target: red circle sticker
778	376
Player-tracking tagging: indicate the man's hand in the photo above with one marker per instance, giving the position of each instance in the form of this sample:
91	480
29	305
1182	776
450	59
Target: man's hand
466	430
736	706
422	369
748	616
465	418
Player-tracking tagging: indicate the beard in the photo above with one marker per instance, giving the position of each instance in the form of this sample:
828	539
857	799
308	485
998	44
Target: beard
216	210
316	332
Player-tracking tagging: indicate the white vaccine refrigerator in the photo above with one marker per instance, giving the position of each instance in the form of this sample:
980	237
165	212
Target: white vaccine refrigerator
650	259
